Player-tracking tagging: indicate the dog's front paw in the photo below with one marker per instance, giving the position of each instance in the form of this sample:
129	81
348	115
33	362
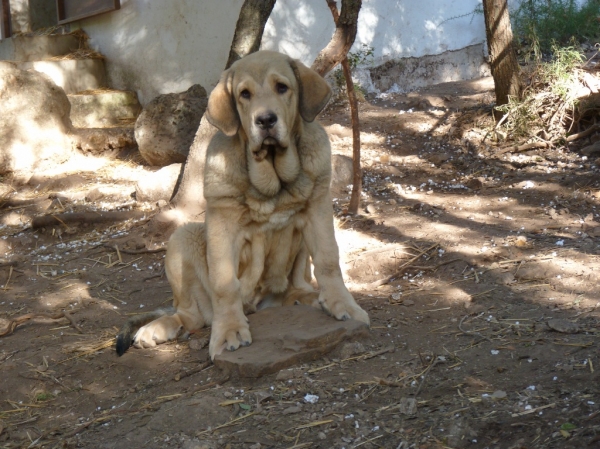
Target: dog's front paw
229	333
343	307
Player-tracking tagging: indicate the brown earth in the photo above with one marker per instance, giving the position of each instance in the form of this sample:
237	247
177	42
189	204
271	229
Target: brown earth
479	271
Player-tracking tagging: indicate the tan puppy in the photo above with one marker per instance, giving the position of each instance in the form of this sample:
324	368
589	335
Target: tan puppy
266	184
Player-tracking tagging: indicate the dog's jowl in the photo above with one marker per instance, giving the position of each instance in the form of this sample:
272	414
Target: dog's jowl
268	212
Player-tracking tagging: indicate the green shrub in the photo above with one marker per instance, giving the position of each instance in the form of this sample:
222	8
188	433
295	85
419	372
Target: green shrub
540	23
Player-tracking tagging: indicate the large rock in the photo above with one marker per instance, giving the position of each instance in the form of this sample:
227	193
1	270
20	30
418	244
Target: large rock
287	336
166	127
34	120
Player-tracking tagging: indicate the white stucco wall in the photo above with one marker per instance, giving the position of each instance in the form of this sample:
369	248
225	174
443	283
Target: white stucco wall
159	46
394	28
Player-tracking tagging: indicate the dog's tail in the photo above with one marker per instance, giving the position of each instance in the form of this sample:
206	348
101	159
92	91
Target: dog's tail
132	325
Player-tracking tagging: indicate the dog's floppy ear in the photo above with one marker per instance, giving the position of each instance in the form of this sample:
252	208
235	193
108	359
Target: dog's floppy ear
314	91
221	111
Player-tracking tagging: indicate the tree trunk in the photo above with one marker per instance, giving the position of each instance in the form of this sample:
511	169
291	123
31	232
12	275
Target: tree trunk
505	68
356	169
342	40
249	28
188	197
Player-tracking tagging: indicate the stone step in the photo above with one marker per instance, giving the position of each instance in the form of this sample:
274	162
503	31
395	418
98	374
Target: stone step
37	48
104	108
73	75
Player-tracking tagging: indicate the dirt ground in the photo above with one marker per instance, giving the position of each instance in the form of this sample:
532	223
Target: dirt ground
479	268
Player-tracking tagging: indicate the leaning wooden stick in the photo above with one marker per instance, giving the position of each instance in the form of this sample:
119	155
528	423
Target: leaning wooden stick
7	327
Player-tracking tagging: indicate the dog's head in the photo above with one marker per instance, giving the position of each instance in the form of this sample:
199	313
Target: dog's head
263	96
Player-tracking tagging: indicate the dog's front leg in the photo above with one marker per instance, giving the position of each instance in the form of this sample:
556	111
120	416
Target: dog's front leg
230	328
319	236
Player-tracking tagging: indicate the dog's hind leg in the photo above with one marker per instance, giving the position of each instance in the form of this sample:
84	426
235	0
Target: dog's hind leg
125	336
185	265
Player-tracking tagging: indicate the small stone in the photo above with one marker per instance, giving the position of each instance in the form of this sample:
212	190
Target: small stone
521	241
311	398
408	406
474	183
161	203
392	201
94	195
292	410
285	374
370	209
227	394
321	436
351	349
408	302
499	394
563	326
196	344
440	158
506	278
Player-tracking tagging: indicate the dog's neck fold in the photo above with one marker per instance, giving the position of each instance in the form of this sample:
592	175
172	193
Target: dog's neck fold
272	166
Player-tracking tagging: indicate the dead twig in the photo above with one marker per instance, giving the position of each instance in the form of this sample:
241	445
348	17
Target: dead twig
429	368
133	251
374	285
69	317
582	134
477	334
184	374
10	325
524	147
85	217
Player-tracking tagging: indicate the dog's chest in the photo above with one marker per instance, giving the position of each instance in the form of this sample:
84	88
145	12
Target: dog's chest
274	213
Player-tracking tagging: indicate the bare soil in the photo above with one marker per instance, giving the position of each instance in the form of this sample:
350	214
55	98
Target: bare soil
479	270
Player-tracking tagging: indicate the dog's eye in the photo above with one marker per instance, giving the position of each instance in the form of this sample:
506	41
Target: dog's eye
281	88
245	94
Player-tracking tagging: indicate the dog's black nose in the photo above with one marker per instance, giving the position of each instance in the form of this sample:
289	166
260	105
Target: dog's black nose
266	121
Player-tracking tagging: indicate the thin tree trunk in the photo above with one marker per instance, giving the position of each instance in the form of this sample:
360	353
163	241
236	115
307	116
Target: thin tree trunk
249	28
356	169
343	37
188	196
504	64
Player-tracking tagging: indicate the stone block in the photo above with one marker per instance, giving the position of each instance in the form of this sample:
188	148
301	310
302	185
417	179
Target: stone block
37	48
286	336
104	109
73	75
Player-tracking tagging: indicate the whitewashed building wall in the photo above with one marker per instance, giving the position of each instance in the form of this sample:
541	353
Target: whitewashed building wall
158	46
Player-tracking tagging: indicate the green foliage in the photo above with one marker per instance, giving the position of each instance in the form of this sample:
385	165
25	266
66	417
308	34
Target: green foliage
560	74
363	56
539	24
41	397
550	102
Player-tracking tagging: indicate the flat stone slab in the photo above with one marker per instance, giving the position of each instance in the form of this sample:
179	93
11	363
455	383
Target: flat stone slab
286	336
